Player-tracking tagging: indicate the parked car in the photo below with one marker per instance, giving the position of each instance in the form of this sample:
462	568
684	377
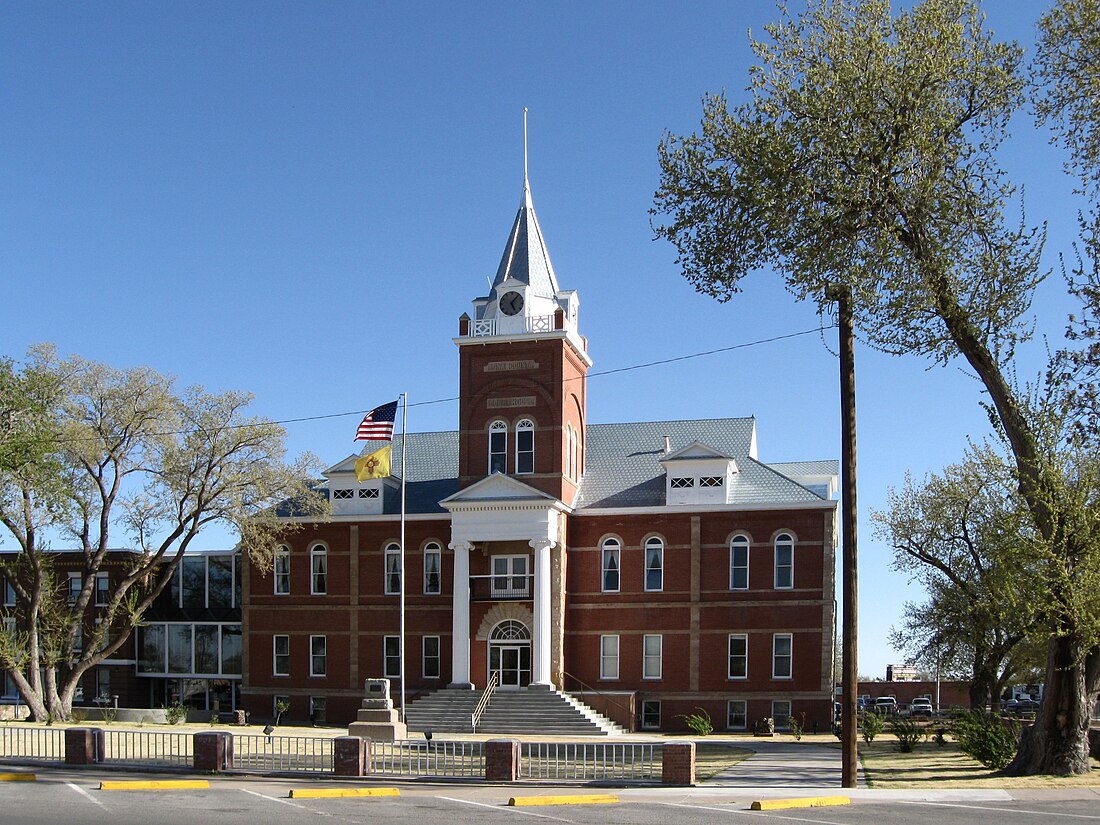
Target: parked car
886	705
921	708
1026	706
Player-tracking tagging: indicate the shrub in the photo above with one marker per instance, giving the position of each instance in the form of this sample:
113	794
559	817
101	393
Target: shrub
872	725
797	726
175	713
698	722
909	732
986	738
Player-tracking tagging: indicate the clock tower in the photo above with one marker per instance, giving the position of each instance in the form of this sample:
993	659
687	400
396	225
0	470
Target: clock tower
522	371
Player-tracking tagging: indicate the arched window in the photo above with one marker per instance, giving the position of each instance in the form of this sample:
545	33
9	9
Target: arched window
318	567
654	564
784	562
282	571
611	560
739	563
498	447
433	556
525	446
510	630
393	569
569	452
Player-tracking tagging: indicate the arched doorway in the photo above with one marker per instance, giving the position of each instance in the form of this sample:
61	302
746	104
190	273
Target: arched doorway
510	654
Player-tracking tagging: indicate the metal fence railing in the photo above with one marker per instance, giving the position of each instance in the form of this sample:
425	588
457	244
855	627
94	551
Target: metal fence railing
32	744
282	754
412	757
141	747
590	761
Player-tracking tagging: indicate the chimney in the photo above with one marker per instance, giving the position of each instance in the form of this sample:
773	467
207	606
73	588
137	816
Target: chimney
668	446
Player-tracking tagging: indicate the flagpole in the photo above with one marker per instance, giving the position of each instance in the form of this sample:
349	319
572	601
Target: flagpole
404	475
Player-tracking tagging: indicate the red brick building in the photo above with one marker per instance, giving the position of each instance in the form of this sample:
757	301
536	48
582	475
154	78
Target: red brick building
662	562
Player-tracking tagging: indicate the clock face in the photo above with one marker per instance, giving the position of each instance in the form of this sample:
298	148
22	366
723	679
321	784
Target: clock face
511	303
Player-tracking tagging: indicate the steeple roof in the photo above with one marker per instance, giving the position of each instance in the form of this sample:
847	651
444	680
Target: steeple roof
526	258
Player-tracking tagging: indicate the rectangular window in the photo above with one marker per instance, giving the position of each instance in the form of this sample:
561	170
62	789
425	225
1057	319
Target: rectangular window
220	582
391	666
103	685
152	649
433	561
739	564
654	565
609	657
431	657
509	576
651	657
736	714
393	570
9	594
180	658
282	571
231	649
739	656
278	702
75	585
194	583
318	560
318	656
611	567
280	651
207	638
525	450
369	492
784	566
102	589
317	709
651	714
781	656
681	483
498	447
711	481
340	495
781	713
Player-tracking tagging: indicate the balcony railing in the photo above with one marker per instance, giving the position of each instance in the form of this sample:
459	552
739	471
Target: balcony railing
500	588
534	323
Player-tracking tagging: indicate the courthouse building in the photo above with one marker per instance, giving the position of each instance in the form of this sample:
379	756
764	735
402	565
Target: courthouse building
660	561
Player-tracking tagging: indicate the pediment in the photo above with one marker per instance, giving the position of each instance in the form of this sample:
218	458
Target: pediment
499	488
345	466
696	451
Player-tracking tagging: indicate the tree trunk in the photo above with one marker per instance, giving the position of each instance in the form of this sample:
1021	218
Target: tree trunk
31	697
1058	742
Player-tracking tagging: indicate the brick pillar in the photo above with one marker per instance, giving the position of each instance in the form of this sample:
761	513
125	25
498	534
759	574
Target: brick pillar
213	751
349	755
678	763
84	746
501	760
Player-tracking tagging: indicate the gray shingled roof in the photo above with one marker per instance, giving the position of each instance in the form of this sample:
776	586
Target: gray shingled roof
806	468
525	257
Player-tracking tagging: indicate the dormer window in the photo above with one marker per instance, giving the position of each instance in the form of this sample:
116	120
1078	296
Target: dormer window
369	493
498	447
681	482
525	446
338	495
711	481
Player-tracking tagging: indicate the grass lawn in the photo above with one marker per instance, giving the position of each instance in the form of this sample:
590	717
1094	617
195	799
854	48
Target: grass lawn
935	766
712	758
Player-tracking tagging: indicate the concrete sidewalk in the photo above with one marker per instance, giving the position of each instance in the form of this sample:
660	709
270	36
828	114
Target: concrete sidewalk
784	765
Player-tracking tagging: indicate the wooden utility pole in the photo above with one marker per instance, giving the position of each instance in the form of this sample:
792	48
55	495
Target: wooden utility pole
849	719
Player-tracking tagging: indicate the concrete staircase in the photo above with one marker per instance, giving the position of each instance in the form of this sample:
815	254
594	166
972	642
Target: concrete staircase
548	712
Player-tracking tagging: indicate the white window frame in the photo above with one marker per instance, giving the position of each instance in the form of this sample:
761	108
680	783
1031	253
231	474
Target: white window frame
279	697
647	705
433	549
105	578
281	569
609	656
739	542
525	429
744	637
386	656
318	553
744	714
511	577
654	542
314	656
784	541
314	701
73	593
391	560
426	658
103	684
498	437
776	715
651	659
10	596
613	547
276	655
777	657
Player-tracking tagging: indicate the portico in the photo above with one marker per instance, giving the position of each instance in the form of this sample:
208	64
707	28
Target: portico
502	511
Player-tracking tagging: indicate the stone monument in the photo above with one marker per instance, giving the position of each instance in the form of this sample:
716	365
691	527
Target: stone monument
377	719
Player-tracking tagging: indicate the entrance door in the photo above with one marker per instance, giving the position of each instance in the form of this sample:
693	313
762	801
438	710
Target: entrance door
512	663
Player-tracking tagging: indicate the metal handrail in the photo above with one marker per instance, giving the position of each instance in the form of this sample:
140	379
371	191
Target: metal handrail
589	689
486	695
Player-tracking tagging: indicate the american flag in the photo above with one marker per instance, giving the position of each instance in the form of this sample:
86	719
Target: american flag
378	424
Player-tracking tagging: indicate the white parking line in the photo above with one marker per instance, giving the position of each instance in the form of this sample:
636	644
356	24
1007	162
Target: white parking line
999	810
503	808
287	802
84	794
767	814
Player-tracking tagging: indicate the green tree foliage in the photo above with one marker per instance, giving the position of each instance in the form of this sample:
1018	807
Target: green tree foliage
865	158
128	454
966	538
986	737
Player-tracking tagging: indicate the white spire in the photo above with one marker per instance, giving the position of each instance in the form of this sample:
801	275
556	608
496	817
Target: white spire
526	184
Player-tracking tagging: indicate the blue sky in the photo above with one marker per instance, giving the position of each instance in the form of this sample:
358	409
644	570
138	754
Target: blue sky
300	199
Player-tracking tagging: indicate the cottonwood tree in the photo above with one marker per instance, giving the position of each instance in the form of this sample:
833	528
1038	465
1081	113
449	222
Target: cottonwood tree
865	157
963	536
129	455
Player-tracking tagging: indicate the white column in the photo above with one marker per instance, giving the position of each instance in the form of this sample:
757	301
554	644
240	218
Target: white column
460	617
540	645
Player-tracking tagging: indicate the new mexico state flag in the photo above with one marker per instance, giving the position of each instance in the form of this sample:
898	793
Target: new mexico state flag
375	465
